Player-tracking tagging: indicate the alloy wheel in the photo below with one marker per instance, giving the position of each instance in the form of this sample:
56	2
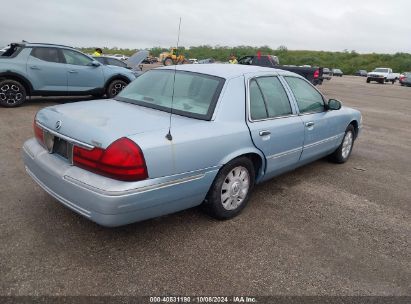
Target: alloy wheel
235	188
347	144
10	94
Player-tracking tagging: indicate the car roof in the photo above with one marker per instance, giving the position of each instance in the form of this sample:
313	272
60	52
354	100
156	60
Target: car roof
226	71
105	56
40	44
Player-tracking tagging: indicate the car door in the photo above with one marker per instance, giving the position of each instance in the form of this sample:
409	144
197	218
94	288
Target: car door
82	76
320	137
46	70
274	124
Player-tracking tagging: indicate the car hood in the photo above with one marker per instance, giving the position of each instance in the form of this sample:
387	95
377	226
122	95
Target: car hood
137	58
100	122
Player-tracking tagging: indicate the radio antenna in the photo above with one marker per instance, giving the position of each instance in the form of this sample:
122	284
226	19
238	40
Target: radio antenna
169	136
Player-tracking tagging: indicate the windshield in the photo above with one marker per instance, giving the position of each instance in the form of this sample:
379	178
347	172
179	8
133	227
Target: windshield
195	95
381	70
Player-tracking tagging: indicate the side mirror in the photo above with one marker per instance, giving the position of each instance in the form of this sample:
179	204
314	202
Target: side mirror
95	63
334	104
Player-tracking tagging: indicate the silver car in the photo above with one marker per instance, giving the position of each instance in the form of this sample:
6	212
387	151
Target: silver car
178	137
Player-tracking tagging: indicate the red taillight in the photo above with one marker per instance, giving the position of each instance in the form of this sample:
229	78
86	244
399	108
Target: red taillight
38	132
317	73
122	160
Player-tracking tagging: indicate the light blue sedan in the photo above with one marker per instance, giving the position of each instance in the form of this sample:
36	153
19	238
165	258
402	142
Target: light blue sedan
179	137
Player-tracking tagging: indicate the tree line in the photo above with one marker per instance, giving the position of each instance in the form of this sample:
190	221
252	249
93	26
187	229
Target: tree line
348	61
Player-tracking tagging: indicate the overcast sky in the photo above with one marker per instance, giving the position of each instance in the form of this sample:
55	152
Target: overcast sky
360	25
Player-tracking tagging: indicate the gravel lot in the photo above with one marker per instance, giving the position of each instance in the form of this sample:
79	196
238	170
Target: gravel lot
323	229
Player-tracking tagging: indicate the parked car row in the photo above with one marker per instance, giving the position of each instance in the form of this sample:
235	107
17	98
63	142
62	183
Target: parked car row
337	72
328	73
362	73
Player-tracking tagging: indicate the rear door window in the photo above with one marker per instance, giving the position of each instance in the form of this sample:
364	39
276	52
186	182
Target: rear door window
308	99
275	96
258	109
268	98
46	54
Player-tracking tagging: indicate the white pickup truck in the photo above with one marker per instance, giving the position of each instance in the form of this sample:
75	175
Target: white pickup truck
382	75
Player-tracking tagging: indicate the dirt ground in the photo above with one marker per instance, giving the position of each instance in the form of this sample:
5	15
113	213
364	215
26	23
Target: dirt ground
323	229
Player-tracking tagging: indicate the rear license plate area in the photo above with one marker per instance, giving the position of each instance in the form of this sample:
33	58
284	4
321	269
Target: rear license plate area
61	147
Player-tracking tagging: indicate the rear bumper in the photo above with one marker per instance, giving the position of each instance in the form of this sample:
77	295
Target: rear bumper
374	78
110	202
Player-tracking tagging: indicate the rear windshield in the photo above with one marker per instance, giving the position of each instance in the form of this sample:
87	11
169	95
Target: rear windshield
11	51
381	70
195	95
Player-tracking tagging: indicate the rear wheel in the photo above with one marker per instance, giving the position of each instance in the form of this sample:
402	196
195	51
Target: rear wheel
343	152
12	93
115	87
231	189
368	80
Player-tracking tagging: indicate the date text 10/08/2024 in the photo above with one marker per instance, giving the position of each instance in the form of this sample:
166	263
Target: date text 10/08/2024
202	299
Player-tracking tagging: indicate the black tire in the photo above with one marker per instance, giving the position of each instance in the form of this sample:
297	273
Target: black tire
214	204
393	81
115	87
168	61
368	80
12	93
341	155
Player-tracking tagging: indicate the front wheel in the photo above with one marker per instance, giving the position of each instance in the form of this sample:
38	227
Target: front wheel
231	189
168	61
115	87
368	80
343	152
12	93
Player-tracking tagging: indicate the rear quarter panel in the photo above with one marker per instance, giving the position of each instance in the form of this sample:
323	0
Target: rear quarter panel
17	65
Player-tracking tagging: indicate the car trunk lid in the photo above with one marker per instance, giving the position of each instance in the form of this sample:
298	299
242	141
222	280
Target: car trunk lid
100	122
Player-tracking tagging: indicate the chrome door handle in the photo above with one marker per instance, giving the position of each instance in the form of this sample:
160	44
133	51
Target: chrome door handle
309	124
264	133
34	67
72	71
